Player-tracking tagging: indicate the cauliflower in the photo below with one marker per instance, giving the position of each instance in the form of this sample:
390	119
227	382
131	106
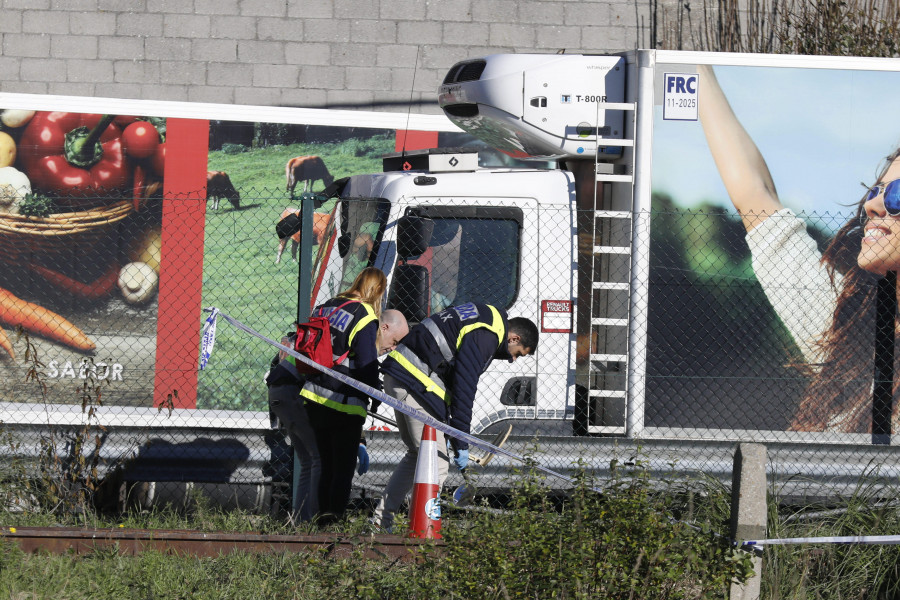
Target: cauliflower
14	186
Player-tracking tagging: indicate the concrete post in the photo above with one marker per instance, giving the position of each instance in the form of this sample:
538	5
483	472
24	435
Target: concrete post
748	510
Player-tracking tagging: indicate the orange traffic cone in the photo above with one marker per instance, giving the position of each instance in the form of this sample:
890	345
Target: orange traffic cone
425	509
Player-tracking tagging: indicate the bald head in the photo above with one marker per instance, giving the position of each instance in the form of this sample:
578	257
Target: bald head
392	328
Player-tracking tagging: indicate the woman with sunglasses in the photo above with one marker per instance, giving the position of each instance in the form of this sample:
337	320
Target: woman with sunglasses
826	301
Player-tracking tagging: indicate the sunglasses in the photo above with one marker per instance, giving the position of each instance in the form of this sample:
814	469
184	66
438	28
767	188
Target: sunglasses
891	191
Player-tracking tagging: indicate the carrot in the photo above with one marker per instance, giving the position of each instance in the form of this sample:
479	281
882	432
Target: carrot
43	322
6	345
98	288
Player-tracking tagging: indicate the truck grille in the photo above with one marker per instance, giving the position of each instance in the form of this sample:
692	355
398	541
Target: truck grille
465	71
465	111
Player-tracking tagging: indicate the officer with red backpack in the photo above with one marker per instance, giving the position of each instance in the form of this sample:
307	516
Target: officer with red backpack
336	410
436	369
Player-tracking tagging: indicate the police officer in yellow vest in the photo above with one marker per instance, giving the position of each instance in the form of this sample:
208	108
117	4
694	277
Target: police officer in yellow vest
337	411
436	369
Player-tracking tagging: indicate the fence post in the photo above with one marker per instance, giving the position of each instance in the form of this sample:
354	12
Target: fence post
304	300
748	510
885	332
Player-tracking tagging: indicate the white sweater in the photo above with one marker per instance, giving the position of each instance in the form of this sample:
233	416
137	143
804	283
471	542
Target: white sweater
787	265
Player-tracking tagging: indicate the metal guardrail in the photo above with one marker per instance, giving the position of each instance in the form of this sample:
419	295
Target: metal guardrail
249	467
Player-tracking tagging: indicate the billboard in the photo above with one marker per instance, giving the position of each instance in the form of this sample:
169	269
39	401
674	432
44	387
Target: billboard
758	171
83	226
249	271
119	227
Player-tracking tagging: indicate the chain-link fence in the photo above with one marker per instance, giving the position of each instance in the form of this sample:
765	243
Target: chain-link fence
667	332
739	344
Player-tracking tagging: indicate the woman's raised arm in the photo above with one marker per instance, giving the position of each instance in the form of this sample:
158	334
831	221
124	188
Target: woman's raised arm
740	164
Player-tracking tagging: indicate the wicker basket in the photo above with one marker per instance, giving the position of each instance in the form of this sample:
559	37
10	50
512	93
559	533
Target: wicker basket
58	233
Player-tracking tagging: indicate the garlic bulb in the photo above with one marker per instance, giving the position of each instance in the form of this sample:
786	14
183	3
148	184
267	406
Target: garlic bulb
14	186
15	118
138	282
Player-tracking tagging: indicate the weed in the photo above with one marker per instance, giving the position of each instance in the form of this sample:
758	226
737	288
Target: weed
622	543
837	570
64	477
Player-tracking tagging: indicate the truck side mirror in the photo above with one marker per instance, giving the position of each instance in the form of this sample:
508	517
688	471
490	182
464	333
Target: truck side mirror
343	244
413	235
410	292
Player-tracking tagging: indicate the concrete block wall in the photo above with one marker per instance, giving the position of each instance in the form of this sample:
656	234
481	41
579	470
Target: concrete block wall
353	54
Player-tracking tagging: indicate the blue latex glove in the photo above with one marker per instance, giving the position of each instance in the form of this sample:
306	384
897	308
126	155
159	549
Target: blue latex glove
362	456
462	459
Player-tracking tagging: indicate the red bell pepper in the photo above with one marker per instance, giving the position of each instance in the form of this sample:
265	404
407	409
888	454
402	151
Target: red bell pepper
78	158
158	160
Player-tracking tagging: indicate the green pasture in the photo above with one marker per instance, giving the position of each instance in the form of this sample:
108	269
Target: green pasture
240	276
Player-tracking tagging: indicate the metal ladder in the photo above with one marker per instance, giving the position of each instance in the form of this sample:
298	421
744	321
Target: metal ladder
613	218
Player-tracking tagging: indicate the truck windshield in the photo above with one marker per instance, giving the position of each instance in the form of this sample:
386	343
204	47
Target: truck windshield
362	226
473	255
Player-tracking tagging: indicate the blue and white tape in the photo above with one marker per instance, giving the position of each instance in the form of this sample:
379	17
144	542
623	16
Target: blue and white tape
384	398
208	341
884	540
208	338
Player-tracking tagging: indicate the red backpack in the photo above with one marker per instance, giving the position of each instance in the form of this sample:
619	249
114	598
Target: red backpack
314	342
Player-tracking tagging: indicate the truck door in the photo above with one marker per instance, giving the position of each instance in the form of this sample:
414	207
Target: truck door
477	254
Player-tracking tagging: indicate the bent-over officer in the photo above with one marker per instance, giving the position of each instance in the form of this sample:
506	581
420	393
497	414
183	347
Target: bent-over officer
435	369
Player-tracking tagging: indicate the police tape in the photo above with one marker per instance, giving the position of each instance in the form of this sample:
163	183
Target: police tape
208	341
884	540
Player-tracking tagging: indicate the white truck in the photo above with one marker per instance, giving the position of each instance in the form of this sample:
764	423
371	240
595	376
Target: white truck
622	354
509	236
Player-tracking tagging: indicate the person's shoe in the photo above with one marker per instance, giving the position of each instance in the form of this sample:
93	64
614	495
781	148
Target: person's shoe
375	528
327	519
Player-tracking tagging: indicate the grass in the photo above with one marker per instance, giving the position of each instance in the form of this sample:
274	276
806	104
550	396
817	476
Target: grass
105	574
240	276
620	544
839	571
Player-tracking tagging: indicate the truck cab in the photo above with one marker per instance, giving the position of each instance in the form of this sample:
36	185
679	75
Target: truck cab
447	232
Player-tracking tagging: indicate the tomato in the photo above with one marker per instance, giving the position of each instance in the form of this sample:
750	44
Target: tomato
141	139
124	121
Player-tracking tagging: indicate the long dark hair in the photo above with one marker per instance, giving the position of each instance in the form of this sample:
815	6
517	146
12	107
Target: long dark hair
839	396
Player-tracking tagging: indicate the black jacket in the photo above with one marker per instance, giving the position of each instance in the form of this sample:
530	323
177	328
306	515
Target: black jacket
473	335
354	328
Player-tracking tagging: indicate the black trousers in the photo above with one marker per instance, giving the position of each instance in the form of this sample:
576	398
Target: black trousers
337	436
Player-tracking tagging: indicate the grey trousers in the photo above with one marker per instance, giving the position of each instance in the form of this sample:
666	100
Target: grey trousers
288	406
401	481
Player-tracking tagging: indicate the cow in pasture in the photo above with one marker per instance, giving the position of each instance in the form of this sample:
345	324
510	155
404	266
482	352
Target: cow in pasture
306	169
288	228
218	186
